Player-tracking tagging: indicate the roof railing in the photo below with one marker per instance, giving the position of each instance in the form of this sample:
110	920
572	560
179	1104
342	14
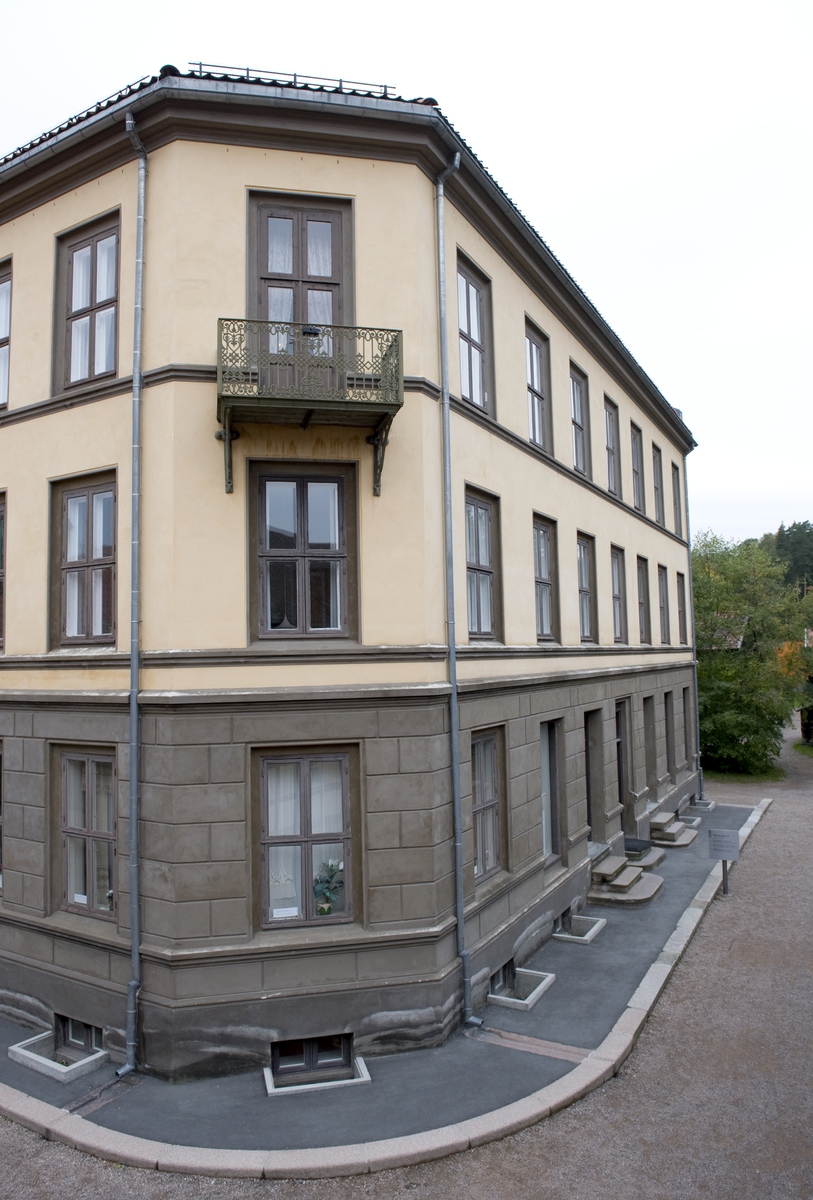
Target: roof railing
385	90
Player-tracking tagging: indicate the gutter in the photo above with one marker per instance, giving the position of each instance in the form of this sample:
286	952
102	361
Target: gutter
134	986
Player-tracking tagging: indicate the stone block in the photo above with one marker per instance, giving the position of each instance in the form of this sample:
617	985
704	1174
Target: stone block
12	886
212	802
34	755
229	918
384	904
198	730
381	756
387	867
504	1121
420	828
25	1110
228	841
227	764
308	971
190	764
108	1144
157	841
395	793
14	820
24	788
156	802
190	843
156	764
13	753
420	721
6	724
416	1148
27	943
383	831
34	892
34	824
419	901
24	724
85	960
156	880
424	753
326	1163
221	979
20	855
99	728
192	919
209	881
393	961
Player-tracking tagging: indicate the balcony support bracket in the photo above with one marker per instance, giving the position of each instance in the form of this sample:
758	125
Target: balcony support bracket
227	435
379	441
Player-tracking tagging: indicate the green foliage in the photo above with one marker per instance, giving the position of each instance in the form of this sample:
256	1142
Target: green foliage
328	884
752	672
793	546
803	748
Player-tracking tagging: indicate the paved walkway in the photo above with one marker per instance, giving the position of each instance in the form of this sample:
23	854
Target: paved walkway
714	1100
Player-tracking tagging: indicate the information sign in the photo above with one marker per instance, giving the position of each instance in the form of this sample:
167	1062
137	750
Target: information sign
724	844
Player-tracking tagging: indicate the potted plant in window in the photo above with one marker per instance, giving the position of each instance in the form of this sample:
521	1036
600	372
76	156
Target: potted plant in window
327	886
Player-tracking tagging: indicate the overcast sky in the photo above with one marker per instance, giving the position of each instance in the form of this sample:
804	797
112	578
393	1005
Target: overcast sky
661	150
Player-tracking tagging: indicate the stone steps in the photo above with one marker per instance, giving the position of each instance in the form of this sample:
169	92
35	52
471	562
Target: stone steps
682	840
625	879
660	821
651	860
646	889
608	868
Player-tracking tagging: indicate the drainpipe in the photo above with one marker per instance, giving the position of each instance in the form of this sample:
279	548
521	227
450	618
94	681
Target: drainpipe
454	716
134	986
702	802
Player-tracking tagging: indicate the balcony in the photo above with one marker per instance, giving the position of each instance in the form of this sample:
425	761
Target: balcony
283	373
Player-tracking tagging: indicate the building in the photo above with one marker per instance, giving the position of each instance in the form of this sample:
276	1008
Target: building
304	746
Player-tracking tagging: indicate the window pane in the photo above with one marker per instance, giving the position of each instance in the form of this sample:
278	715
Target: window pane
544	625
75	776
462	307
77	528
75	604
578	448
484	589
103	805
542	554
489	857
617	630
102	876
326	797
102	601
285	882
320	248
280	514
106	269
325	585
576	399
3	375
282	597
280	304
80	349
474	313
77	870
616	573
330	1050
483	536
465	381
323	516
80	295
292	1054
328	878
102	524
320	310
105	341
471	595
283	799
584	615
5	308
280	245
584	566
547	791
471	532
477	377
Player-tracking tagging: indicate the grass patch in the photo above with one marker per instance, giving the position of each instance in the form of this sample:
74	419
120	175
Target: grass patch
803	748
772	775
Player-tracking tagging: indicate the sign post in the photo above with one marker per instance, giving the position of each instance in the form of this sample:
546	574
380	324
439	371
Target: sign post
724	845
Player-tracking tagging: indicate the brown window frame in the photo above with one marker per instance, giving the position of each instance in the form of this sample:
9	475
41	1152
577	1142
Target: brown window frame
638	482
549	732
486	802
88	833
62	491
683	630
344	475
537	377
644	610
587	589
5	338
77	1036
476	568
306	839
543	528
677	500
311	1070
657	486
663	605
619	594
580	422
612	441
69	244
669	731
468	343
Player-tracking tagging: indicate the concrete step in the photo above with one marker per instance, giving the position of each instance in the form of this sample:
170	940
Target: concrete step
608	868
646	889
661	820
652	859
686	838
626	879
672	833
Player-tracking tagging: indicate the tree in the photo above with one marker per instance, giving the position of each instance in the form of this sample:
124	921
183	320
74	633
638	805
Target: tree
793	546
752	669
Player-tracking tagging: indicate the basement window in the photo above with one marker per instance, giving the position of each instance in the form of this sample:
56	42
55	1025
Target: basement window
312	1060
75	1039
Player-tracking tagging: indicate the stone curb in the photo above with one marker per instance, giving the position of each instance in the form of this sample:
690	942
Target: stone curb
57	1124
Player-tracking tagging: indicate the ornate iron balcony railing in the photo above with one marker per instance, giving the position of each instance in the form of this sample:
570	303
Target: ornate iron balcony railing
291	373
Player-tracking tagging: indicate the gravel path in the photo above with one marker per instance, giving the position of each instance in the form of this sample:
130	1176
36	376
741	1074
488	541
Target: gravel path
715	1100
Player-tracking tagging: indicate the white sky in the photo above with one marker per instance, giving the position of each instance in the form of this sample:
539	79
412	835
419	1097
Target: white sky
661	150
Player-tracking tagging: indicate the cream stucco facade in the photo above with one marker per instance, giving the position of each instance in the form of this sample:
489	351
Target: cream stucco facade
219	701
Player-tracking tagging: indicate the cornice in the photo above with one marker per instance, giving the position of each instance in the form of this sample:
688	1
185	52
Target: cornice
237	113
